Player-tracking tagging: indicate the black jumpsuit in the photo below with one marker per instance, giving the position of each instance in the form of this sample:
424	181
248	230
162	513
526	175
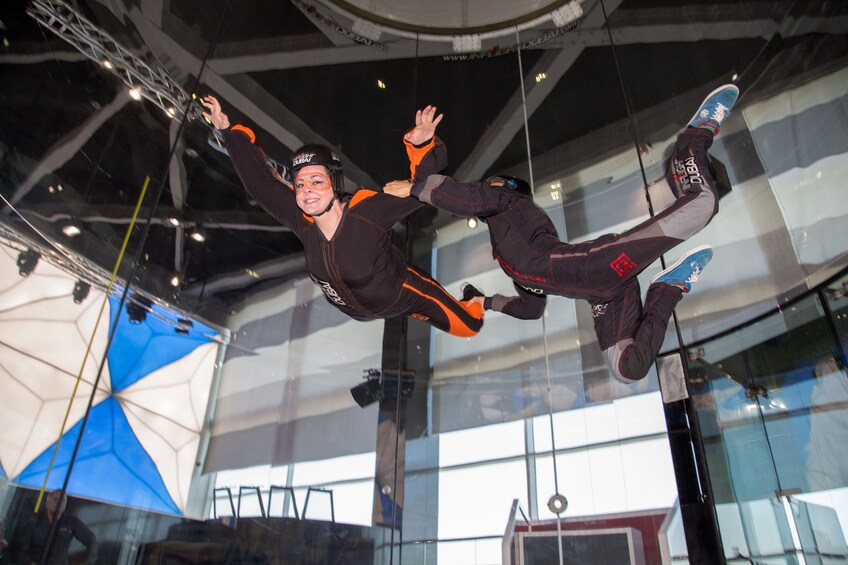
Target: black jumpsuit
359	270
30	541
603	271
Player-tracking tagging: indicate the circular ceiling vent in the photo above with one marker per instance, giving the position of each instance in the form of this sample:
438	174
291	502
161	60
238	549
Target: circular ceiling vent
449	17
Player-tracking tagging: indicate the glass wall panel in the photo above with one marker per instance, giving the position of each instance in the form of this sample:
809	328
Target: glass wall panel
760	395
108	372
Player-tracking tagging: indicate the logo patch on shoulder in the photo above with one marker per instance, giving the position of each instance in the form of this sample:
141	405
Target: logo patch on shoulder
623	265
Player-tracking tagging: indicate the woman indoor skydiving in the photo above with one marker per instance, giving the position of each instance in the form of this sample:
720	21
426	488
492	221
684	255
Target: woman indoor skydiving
347	239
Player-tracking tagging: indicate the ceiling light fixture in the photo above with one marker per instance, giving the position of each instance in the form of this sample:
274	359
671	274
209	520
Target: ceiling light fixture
72	229
198	234
368	30
135	93
386	384
137	308
472	222
27	260
467	43
81	290
567	14
183	326
366	393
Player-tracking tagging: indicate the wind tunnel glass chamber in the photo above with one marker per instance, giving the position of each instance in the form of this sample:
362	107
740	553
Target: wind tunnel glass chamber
168	362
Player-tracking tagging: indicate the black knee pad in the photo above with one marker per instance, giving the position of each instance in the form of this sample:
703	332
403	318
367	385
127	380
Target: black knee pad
635	362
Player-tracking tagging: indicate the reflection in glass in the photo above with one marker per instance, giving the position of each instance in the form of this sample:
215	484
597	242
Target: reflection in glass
767	396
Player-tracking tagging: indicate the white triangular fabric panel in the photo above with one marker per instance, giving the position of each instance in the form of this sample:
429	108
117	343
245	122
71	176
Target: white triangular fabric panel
166	410
33	407
38	316
43	339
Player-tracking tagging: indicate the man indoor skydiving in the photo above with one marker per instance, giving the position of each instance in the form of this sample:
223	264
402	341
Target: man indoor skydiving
602	271
347	239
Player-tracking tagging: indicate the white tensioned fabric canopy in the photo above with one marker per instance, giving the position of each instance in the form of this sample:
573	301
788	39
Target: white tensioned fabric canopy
141	439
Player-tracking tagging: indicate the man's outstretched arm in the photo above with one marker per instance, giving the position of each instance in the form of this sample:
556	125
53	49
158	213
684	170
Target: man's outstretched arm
525	305
459	198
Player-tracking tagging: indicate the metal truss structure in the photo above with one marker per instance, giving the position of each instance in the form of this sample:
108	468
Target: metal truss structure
152	81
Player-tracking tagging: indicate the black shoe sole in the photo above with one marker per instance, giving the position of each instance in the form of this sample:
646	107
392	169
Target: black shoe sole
470	292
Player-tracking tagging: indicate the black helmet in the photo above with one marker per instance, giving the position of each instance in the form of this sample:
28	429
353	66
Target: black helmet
314	154
520	186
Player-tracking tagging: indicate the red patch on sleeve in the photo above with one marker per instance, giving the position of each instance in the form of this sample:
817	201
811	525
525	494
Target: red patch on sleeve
623	265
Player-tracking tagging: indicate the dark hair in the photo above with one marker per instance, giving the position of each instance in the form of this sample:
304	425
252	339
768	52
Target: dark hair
520	186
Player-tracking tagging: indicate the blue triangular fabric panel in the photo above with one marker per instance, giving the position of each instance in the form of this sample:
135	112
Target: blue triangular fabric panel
140	349
111	465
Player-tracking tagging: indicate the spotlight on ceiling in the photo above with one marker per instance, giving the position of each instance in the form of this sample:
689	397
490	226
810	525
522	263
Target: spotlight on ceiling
137	308
472	222
135	93
175	281
72	228
81	290
366	29
382	385
567	14
198	234
366	393
467	43
27	260
183	326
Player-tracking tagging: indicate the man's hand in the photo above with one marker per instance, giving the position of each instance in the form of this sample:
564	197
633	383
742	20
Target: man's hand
215	116
425	126
399	188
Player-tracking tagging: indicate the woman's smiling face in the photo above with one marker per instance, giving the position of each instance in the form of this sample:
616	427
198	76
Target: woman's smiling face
313	189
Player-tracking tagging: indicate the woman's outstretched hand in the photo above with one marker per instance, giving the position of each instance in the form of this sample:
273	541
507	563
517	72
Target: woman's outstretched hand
214	114
425	126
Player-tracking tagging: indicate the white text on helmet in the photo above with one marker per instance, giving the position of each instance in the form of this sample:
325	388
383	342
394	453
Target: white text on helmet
302	158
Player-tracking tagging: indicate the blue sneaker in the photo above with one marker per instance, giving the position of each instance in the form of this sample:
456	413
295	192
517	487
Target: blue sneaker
715	107
683	273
